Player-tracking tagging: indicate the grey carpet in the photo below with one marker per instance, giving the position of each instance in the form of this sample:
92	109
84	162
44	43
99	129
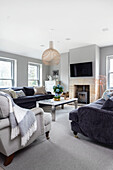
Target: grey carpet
62	151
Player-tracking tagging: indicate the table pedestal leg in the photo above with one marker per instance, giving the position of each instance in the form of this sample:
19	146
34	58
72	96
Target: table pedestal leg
53	113
76	104
62	106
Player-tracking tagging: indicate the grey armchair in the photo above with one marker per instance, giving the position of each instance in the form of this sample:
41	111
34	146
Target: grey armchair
7	146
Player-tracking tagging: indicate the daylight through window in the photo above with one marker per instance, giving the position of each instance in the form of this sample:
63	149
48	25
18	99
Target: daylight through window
6	73
110	72
33	74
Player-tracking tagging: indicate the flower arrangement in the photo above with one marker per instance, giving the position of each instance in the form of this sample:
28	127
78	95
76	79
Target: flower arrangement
58	91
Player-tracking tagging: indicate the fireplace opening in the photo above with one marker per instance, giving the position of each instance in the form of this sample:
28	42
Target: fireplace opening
82	93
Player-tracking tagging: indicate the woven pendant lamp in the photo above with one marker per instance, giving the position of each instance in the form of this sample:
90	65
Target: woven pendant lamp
51	56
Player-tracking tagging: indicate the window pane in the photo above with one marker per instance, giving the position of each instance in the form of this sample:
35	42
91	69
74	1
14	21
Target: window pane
5	69
5	83
32	72
32	83
111	81
111	65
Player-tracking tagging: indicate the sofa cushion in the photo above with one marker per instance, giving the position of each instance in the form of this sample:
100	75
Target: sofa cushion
29	91
4	107
39	90
108	105
25	99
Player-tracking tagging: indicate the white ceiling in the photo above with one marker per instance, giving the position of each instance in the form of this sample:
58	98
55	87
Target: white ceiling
26	24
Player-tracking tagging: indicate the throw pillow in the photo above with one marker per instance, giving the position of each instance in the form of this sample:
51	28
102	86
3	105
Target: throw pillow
29	91
13	93
20	93
6	91
111	98
108	105
107	94
4	107
39	90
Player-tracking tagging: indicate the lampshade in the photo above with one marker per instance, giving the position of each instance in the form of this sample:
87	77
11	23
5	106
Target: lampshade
51	56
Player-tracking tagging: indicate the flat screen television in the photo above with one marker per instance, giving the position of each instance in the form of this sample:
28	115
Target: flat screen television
81	70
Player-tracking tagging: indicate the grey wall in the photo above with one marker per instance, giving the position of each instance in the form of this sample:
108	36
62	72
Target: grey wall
64	71
77	55
54	67
22	67
104	51
63	68
84	54
97	62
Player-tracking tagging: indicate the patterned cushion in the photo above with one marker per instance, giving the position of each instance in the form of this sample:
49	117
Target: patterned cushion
111	98
13	93
4	107
20	93
107	94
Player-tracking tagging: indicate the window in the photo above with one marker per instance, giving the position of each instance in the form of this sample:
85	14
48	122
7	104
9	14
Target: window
110	72
6	72
34	77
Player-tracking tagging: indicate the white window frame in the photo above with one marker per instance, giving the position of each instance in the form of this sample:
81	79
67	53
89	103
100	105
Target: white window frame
13	71
108	71
39	66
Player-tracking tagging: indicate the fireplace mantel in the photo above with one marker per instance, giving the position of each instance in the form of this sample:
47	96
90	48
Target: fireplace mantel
94	87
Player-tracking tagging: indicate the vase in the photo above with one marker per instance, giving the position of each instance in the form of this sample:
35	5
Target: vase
57	97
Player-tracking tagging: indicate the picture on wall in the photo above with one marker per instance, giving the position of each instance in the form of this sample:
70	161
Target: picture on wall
55	72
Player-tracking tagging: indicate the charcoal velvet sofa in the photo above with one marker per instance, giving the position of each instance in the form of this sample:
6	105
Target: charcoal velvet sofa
94	122
29	100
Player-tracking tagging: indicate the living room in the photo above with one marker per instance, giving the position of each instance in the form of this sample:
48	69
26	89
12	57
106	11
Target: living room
74	125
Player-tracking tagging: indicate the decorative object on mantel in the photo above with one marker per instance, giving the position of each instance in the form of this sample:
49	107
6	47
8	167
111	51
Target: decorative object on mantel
51	56
49	77
58	91
101	81
65	95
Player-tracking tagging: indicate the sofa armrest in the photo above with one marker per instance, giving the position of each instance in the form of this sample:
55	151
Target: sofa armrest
96	123
73	115
6	123
37	110
48	92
